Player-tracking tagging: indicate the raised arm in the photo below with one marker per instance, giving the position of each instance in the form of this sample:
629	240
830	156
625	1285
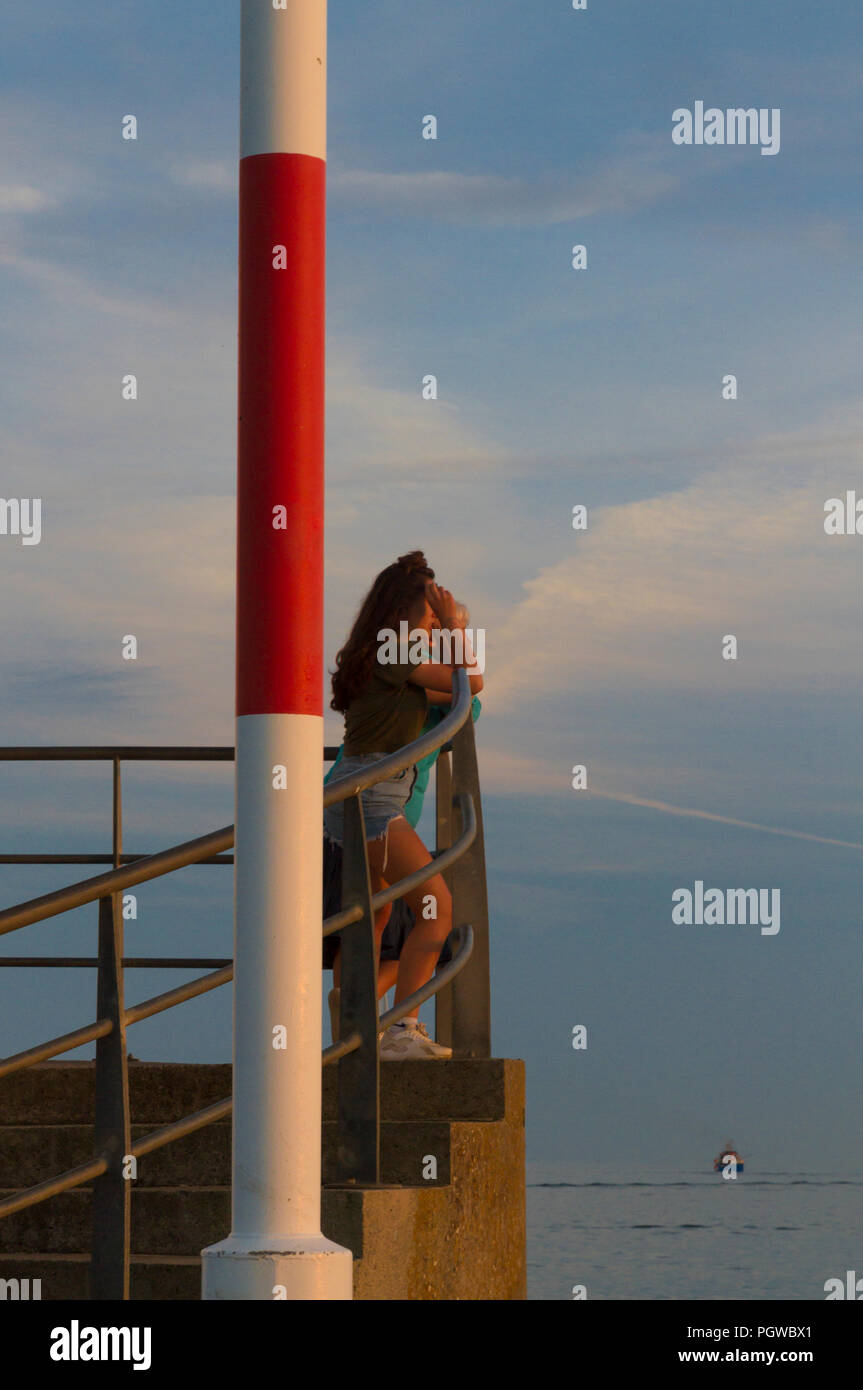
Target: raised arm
436	676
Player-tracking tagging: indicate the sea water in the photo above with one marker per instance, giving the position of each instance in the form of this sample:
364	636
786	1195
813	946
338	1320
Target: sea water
653	1232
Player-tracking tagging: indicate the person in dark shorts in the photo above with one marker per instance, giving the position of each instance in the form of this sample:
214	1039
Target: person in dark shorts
401	918
385	700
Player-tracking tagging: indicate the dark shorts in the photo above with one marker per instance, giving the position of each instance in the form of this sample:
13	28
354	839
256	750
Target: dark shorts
400	923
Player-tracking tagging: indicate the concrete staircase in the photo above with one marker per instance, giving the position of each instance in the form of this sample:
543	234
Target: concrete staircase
459	1235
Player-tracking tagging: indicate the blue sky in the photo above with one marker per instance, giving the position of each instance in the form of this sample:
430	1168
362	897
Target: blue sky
557	387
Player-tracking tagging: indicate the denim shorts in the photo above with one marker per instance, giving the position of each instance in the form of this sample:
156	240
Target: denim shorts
381	803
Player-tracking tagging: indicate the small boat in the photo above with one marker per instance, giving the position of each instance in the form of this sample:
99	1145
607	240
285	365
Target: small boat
724	1160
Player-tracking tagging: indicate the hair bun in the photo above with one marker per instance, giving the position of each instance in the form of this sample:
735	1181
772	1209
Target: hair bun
415	563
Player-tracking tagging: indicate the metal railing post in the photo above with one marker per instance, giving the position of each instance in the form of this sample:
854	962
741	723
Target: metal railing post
459	840
109	1271
471	992
358	1072
443	840
117	814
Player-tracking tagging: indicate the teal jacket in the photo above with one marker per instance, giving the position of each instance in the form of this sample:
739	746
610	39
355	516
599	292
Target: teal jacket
413	809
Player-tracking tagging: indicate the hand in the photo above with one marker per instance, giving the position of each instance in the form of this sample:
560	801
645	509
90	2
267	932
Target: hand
442	604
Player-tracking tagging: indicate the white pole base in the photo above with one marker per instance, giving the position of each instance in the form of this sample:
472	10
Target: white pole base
272	1268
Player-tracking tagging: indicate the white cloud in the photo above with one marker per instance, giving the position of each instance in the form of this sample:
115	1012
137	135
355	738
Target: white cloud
165	574
134	539
22	197
497	200
212	175
651	588
70	289
382	430
639	174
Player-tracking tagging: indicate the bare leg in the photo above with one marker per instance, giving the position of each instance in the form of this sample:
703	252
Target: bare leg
431	905
387	972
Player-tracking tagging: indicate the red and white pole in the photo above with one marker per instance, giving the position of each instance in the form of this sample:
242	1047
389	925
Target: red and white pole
276	1249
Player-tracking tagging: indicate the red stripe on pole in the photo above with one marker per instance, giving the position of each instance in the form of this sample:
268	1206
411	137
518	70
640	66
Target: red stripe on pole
281	436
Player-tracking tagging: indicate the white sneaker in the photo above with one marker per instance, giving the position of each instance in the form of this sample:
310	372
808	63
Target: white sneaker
411	1043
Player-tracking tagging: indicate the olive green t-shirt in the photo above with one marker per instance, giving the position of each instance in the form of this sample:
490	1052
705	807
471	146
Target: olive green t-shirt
388	714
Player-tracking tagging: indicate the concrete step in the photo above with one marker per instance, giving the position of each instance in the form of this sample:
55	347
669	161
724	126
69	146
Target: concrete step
459	1237
165	1221
62	1093
62	1277
30	1154
58	1093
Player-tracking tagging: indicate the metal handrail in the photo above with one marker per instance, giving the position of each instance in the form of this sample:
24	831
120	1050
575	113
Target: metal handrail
189	852
66	1042
47	860
130	871
104	885
156	1139
125	752
441	977
192	851
439	863
221	1109
52	1187
128	962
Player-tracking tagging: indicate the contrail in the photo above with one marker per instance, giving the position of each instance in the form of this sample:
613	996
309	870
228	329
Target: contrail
726	820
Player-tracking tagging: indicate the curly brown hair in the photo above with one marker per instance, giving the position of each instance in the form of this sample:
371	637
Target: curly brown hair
392	598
